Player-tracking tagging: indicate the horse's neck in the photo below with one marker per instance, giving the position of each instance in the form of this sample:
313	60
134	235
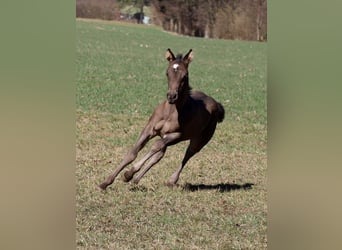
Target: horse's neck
184	97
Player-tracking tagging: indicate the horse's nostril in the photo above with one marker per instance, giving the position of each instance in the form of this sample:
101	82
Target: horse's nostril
172	97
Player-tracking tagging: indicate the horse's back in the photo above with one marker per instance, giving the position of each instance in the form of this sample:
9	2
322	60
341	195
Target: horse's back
211	105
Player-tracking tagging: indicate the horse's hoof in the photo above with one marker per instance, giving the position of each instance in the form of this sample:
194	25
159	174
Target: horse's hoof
171	184
127	176
102	187
135	181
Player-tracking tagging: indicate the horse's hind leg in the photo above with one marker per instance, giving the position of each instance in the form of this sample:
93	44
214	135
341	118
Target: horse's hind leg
144	137
190	151
196	144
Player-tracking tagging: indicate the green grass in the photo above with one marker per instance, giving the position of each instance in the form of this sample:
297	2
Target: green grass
120	79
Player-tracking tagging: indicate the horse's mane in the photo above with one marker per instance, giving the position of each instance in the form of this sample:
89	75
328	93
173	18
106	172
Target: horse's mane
179	57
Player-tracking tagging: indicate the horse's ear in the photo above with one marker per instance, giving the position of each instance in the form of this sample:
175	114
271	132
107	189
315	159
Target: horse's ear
169	55
188	57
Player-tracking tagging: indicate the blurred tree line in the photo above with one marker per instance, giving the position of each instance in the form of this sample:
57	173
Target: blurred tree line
225	19
100	9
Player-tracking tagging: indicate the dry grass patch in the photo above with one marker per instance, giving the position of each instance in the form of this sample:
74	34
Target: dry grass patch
223	211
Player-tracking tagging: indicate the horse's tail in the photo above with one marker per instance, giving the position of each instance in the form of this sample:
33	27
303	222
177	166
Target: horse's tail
220	112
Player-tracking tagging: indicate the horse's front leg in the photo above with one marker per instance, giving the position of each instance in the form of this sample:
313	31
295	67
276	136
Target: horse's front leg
128	175
144	137
157	152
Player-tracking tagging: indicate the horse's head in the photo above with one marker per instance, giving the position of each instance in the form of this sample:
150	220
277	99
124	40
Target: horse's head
177	74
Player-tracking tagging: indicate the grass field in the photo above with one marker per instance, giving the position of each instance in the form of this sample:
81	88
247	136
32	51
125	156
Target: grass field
221	200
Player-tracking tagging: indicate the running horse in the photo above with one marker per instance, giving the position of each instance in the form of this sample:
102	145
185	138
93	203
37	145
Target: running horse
184	115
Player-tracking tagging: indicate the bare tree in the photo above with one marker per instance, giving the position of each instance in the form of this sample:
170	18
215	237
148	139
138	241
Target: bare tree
229	19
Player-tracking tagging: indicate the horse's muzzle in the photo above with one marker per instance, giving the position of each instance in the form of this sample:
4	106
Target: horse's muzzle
172	97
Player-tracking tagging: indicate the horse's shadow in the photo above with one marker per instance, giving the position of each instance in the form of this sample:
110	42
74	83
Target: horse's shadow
222	187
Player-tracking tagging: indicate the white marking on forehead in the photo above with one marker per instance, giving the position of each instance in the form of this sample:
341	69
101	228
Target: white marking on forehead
175	66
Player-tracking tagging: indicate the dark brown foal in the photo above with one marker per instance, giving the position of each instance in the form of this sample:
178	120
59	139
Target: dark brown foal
185	115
